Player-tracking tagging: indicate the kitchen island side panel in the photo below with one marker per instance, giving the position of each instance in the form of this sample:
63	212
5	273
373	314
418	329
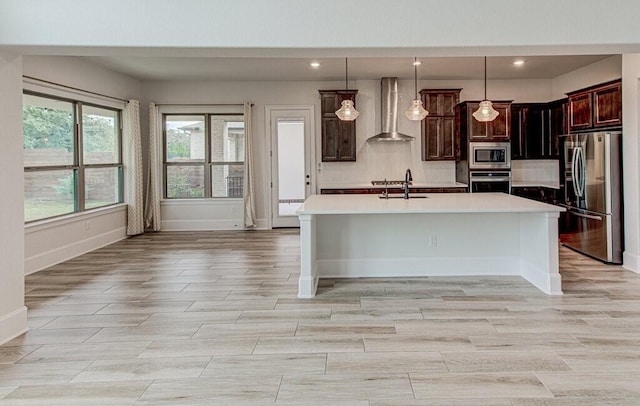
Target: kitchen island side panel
417	236
539	251
308	280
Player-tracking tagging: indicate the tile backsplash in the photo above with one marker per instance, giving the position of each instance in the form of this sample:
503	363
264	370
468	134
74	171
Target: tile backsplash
545	170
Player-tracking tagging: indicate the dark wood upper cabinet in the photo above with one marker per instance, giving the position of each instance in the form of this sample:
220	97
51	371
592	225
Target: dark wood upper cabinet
338	137
438	128
517	141
558	124
607	105
596	107
580	111
440	102
498	130
535	128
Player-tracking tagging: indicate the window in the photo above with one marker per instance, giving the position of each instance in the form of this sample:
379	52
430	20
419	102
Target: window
203	155
72	156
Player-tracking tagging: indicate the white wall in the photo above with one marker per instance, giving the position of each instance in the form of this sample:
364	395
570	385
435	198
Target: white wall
13	313
599	72
630	157
373	160
83	75
227	213
55	240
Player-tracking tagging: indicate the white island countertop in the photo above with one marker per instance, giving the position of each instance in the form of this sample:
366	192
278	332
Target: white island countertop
433	203
413	185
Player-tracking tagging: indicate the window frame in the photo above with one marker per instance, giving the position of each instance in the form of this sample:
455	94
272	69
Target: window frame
207	163
78	167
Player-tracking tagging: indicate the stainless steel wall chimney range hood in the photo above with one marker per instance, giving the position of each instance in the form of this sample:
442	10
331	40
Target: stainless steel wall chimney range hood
389	101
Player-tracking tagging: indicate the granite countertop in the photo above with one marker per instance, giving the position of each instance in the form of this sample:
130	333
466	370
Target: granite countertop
433	203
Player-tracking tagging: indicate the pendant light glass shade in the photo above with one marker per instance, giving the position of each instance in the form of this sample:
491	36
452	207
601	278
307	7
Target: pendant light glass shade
416	110
485	112
347	111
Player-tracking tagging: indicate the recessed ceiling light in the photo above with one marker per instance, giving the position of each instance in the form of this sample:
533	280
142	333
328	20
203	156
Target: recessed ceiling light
518	62
315	65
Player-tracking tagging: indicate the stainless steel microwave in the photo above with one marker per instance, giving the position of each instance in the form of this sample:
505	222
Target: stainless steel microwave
489	155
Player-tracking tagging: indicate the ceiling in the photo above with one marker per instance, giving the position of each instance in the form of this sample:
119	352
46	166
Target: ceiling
289	69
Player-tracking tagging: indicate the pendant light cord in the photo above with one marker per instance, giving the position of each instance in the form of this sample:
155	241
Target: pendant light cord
346	73
485	78
415	76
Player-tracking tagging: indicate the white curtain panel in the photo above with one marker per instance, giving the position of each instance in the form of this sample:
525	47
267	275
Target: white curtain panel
133	168
152	196
249	193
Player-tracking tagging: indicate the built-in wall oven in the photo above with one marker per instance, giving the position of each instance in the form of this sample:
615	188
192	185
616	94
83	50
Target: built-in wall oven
490	181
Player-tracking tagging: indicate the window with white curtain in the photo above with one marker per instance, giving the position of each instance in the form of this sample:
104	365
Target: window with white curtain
72	156
203	155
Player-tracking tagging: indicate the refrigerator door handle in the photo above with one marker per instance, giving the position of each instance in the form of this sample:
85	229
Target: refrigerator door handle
574	173
587	216
583	171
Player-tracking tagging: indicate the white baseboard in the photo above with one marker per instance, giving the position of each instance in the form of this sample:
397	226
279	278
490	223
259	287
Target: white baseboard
13	324
551	284
631	262
307	286
403	267
446	266
263	224
207	225
60	254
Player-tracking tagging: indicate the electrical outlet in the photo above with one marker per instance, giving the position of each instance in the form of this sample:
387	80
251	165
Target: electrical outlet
433	241
87	225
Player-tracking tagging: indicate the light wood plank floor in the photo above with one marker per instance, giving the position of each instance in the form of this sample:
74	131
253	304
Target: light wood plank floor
212	318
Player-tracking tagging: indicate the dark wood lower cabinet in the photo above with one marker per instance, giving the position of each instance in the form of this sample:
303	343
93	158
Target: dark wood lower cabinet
539	193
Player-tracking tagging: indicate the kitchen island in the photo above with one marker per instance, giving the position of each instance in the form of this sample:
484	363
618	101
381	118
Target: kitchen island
443	234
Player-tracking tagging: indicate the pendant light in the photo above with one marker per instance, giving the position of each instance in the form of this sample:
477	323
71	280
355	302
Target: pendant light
485	111
347	111
416	111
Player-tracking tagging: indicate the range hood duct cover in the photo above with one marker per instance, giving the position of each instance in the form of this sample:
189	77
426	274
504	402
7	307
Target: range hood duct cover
389	102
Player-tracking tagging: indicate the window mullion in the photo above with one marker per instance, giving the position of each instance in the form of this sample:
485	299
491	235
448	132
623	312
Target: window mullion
121	155
79	159
207	156
165	187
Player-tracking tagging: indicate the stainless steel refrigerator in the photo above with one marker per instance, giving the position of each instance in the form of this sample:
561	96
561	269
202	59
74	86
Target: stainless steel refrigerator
593	194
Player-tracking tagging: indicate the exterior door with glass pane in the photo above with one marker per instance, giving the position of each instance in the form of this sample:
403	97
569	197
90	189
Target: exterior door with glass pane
291	153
